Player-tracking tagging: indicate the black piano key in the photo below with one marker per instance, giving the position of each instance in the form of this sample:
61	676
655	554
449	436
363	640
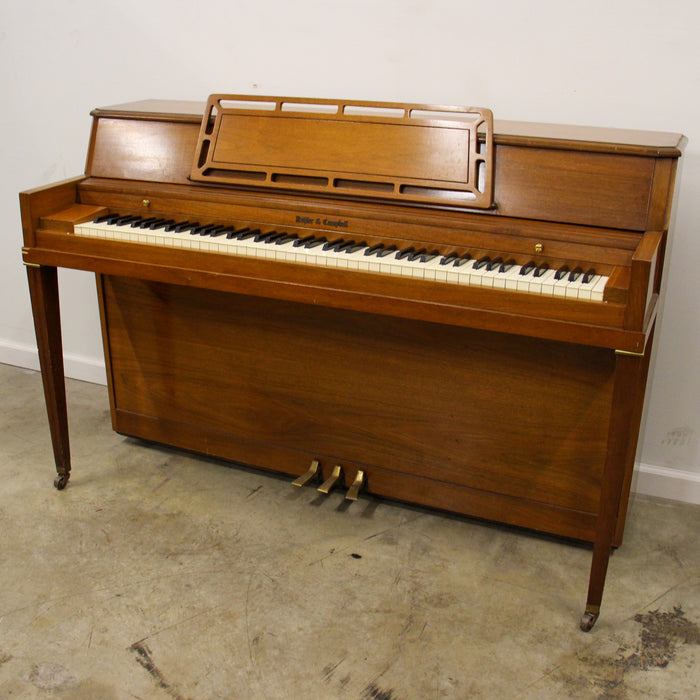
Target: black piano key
248	234
507	265
161	224
143	223
541	270
136	221
146	223
270	237
173	226
201	230
316	242
303	241
405	253
237	233
149	224
124	220
462	260
386	251
528	268
339	247
561	272
575	274
494	264
381	251
287	238
223	231
449	259
211	230
333	244
417	254
102	219
482	262
342	247
354	247
588	277
375	249
429	256
186	226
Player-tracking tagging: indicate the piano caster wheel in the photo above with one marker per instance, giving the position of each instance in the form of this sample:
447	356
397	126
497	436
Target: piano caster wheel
588	620
61	481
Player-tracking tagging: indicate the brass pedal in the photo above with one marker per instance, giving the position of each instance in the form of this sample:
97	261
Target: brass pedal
332	480
354	490
314	471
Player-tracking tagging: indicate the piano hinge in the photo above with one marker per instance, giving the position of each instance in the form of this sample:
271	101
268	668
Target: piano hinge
29	264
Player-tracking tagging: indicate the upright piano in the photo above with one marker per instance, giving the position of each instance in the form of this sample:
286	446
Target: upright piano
412	301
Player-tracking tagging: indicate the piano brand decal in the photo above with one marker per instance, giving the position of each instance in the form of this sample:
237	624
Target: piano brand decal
322	222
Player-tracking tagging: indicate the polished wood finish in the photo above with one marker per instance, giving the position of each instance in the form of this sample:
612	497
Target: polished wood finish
497	404
43	290
416	153
367	390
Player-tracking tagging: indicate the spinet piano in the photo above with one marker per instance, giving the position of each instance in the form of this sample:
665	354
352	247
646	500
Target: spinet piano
405	299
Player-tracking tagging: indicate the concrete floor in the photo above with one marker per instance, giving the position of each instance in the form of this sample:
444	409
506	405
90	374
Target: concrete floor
159	574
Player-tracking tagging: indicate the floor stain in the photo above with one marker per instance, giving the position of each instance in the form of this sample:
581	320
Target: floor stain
329	670
144	658
50	677
374	692
660	636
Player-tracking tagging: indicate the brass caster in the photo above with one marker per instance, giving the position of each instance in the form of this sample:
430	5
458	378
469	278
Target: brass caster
588	619
61	481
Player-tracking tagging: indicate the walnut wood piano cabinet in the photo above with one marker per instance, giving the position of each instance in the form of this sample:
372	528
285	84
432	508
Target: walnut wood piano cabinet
428	379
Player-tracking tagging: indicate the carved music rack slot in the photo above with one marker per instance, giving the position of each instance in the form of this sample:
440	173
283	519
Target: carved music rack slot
412	153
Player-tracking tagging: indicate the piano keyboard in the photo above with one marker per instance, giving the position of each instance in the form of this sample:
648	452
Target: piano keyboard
350	254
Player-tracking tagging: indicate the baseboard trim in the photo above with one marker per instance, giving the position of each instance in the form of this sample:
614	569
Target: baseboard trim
86	369
662	482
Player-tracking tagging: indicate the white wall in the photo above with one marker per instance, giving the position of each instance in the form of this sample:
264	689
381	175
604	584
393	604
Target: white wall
622	63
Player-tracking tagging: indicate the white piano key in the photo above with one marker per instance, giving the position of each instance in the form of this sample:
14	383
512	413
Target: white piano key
573	288
523	281
598	289
560	285
394	263
503	279
542	284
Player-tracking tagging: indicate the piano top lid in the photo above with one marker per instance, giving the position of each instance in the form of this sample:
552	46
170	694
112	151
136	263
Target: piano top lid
515	133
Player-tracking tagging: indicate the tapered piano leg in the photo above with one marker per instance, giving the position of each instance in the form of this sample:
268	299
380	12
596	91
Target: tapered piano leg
43	289
627	391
